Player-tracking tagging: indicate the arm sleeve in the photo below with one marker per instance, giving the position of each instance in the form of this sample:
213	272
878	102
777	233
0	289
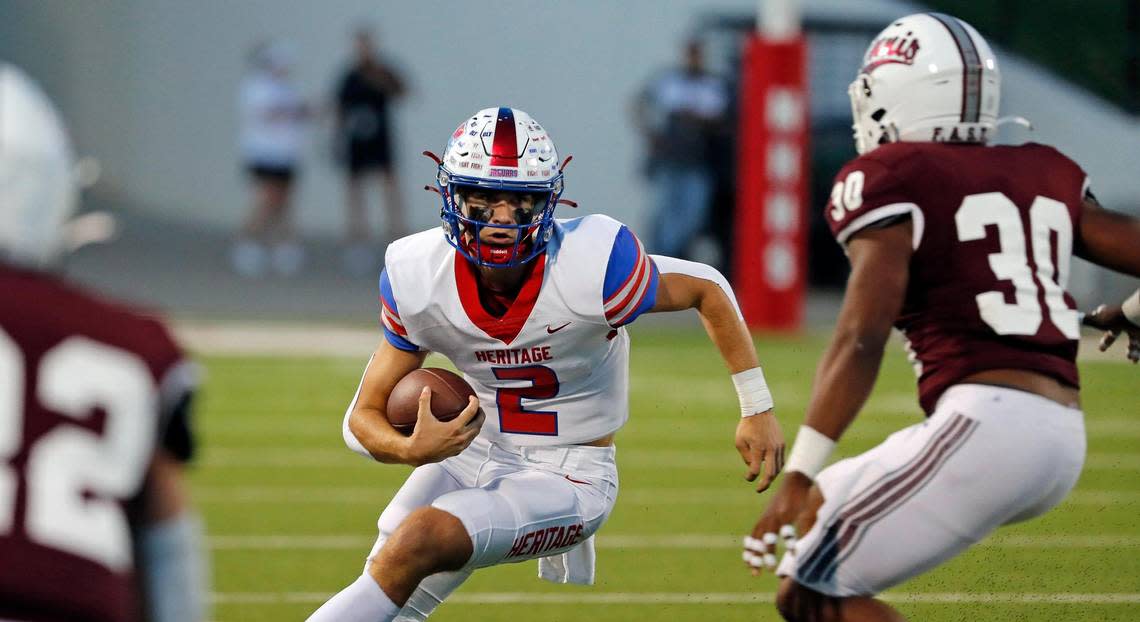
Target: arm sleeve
672	265
350	439
175	569
867	195
630	287
176	395
394	330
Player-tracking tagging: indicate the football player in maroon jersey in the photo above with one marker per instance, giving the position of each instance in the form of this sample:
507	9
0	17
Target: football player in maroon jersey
965	248
93	413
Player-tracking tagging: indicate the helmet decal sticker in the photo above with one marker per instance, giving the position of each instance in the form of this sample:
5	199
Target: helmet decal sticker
886	50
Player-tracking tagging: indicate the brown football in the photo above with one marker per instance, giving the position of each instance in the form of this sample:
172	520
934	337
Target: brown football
449	393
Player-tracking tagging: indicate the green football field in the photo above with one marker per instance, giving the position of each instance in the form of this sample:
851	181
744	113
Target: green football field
291	512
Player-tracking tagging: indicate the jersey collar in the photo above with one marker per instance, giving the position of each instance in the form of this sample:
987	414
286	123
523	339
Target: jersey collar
508	327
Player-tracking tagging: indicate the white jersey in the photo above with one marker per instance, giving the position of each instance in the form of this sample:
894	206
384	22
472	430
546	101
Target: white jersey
554	369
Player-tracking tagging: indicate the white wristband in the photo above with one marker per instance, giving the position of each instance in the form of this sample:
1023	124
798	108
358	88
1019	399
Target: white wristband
1131	308
753	392
810	452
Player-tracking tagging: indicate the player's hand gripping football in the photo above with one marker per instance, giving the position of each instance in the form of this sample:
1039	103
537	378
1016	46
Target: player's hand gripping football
434	440
777	524
1110	318
761	444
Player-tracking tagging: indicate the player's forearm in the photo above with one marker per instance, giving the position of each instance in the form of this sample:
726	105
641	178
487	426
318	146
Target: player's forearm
170	556
875	294
1109	239
365	425
844	379
726	330
692	285
371	429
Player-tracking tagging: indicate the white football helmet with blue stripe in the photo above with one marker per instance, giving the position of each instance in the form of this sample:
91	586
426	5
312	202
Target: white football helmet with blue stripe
927	77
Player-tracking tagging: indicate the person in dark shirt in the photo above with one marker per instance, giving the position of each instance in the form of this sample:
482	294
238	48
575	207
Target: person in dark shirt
363	99
681	112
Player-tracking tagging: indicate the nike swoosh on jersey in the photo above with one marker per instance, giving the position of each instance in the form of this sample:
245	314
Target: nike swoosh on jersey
576	481
554	330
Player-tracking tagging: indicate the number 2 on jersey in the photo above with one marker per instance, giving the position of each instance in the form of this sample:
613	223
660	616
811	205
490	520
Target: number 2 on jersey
1047	217
513	418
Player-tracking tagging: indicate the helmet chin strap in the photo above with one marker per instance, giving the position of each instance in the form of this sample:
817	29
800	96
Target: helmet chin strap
1016	120
891	132
495	254
89	228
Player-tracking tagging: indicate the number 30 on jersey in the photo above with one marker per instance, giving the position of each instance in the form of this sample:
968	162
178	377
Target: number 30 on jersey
1047	217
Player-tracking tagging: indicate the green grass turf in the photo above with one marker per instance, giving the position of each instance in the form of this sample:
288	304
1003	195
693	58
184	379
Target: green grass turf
272	464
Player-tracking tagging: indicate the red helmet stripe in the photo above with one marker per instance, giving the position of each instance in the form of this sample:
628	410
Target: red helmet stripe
504	151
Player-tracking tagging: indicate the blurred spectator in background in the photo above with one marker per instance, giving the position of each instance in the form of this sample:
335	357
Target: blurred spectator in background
363	99
95	523
681	112
273	119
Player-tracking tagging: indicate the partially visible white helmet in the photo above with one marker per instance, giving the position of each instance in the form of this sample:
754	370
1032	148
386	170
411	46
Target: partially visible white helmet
38	186
927	77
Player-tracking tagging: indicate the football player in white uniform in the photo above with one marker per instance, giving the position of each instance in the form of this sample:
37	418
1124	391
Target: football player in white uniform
533	311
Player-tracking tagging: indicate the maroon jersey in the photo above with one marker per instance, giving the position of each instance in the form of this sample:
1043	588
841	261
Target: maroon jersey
88	390
993	237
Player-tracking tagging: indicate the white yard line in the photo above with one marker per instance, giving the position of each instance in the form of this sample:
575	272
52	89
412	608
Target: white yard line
315	339
281	420
695	598
707	496
381	493
223	457
277	339
675	541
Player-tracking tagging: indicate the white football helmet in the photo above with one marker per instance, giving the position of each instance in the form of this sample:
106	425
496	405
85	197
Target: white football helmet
499	149
39	188
927	77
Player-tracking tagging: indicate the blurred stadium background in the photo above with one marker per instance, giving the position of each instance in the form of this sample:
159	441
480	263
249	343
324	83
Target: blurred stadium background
149	89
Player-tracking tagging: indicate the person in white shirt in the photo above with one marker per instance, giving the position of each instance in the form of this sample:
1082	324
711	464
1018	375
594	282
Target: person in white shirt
273	119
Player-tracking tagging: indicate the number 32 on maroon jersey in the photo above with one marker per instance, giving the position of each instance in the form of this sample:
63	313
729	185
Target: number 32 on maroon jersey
76	477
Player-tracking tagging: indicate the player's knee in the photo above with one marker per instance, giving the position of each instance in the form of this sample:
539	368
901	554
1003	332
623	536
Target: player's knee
431	539
786	599
797	603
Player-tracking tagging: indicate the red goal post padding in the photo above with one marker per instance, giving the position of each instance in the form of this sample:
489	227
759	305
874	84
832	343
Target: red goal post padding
770	256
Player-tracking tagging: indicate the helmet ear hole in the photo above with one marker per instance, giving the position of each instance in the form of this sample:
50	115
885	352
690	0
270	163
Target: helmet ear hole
878	114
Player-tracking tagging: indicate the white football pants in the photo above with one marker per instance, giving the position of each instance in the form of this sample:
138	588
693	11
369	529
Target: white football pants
517	503
987	457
